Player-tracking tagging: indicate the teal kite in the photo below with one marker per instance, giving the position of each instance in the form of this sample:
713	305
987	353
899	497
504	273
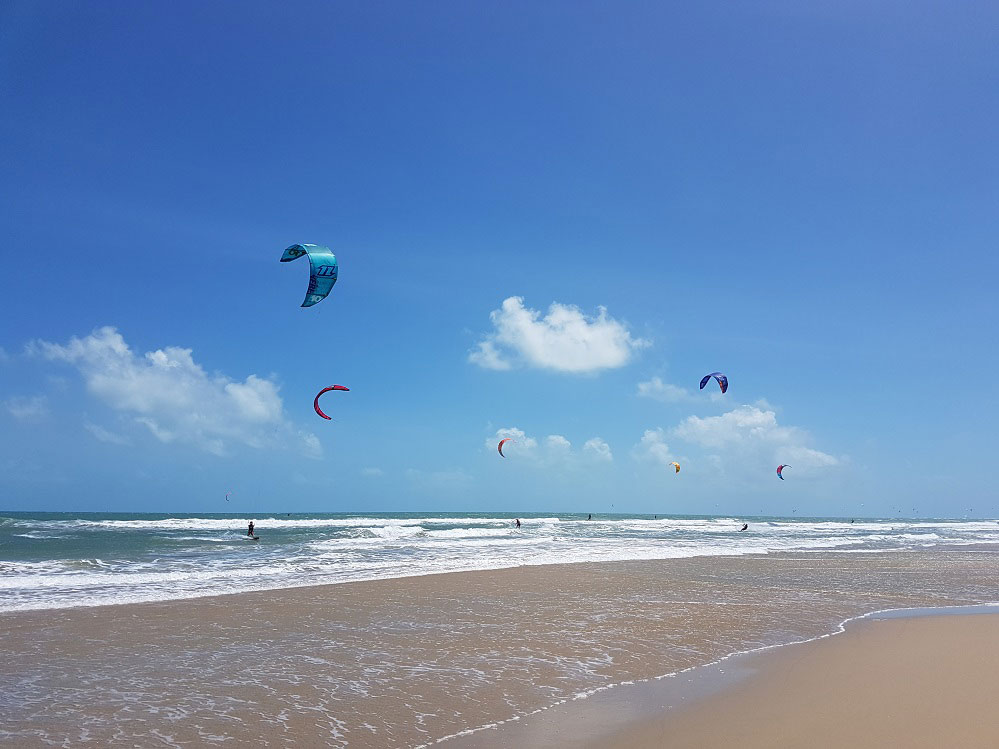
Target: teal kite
323	273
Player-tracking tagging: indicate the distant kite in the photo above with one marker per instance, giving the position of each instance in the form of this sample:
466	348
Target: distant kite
227	495
503	442
779	469
722	380
323	270
675	466
315	403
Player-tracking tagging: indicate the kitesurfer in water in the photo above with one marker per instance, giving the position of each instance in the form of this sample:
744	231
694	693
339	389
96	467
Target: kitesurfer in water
744	527
249	530
589	517
517	521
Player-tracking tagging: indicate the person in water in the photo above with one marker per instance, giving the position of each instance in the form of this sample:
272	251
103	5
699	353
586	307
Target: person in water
589	517
249	531
517	521
744	526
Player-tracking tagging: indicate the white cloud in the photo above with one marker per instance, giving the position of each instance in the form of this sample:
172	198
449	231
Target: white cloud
311	446
175	399
558	444
564	340
103	435
372	472
27	408
807	457
524	445
487	357
653	446
743	424
598	448
753	432
163	435
554	451
663	391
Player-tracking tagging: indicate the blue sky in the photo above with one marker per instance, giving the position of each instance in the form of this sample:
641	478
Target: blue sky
804	198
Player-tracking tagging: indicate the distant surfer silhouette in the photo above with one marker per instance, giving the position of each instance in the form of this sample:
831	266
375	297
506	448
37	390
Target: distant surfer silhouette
744	527
589	517
517	521
249	530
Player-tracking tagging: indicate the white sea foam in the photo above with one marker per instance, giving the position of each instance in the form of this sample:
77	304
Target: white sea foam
270	521
154	559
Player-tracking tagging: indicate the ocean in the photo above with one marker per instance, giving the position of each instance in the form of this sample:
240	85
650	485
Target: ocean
64	560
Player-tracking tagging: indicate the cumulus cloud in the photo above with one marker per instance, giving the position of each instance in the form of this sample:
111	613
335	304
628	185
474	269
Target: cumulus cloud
488	357
743	424
555	450
754	431
564	340
653	447
807	457
663	391
599	449
525	445
27	408
171	395
558	444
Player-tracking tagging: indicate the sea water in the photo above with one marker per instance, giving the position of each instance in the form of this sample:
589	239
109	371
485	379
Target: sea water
58	560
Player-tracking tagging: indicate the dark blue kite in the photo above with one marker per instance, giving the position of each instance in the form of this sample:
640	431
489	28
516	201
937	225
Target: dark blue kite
722	380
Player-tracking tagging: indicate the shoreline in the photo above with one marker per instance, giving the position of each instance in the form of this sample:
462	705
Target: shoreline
410	661
920	681
264	592
630	708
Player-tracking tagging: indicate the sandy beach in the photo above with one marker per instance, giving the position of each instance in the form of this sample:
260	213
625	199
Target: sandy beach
916	682
926	680
408	662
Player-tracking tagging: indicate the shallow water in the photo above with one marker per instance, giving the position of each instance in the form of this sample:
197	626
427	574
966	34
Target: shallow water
406	662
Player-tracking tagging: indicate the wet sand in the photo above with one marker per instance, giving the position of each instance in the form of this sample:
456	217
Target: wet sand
409	661
919	682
